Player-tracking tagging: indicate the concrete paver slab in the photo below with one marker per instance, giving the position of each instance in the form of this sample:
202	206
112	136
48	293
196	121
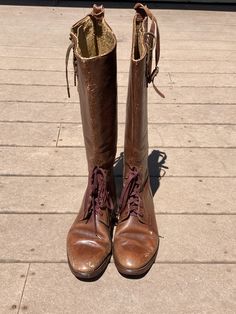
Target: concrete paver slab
200	55
41	188
59	37
36	60
12	278
59	33
47	78
167	288
62	13
35	77
203	79
214	95
158	113
185	238
64	195
176	279
215	162
28	134
168	54
169	135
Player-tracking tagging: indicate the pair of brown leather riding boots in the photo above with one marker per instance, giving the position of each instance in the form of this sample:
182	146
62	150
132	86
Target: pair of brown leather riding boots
89	241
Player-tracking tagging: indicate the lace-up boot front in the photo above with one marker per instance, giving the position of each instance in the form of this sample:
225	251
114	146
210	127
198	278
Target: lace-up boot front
136	237
94	60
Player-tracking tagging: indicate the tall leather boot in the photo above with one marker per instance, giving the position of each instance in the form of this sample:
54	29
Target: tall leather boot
94	51
136	237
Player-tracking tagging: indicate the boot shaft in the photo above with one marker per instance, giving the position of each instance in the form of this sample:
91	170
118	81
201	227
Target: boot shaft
140	75
94	46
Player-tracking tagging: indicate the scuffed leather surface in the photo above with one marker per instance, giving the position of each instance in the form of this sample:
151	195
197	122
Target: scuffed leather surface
89	238
136	238
98	99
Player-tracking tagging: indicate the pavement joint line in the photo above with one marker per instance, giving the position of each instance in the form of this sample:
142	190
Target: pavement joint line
12	261
118	146
120	103
179	86
123	72
120	123
169	86
63	85
157	214
22	293
78	146
116	176
85	176
120	59
204	40
165	49
122	147
127	41
119	72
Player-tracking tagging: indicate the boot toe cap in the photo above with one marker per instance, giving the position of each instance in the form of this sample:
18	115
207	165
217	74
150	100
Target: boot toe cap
85	257
133	259
133	255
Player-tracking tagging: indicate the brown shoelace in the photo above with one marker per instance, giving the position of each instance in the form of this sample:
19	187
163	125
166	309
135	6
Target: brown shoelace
130	194
99	196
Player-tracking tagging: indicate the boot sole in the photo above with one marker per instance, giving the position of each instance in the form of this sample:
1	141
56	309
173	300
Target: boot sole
93	275
138	272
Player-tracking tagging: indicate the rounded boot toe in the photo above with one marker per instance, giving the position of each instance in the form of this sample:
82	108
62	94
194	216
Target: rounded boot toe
133	257
85	261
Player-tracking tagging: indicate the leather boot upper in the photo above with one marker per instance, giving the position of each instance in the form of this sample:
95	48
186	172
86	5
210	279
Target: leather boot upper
94	60
136	238
89	238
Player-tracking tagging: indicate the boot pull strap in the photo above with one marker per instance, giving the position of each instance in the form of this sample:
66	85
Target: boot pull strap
67	60
97	12
71	45
152	39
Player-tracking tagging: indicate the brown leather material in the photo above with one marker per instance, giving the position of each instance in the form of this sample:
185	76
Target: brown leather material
136	238
94	60
89	238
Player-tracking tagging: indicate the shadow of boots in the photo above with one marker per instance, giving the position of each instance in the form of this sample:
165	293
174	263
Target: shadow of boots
156	161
